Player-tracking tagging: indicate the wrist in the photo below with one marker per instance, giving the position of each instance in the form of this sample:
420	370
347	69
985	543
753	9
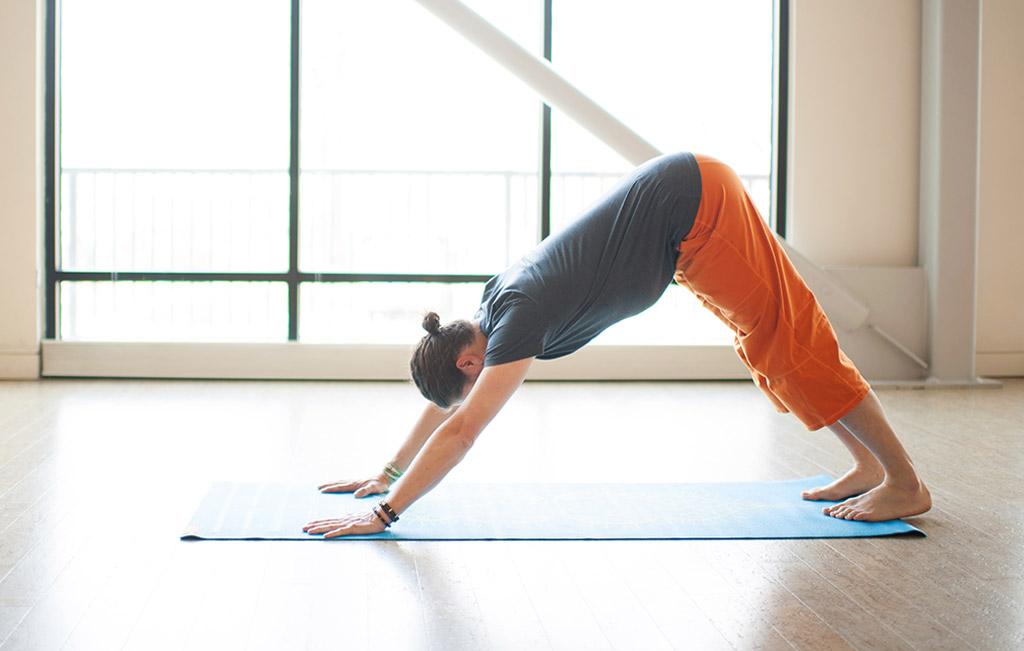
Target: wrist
391	473
386	513
380	516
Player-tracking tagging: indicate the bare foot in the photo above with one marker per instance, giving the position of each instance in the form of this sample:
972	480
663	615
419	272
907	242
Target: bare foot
859	479
884	502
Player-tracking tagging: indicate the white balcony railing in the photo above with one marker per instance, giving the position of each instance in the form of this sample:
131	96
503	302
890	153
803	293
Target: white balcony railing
352	221
361	222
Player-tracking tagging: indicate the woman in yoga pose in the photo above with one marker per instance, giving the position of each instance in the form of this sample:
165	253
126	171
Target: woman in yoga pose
684	217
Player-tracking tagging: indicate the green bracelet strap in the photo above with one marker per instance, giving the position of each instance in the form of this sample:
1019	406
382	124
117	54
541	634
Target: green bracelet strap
391	472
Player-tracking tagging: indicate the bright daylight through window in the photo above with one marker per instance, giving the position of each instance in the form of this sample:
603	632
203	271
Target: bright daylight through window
188	213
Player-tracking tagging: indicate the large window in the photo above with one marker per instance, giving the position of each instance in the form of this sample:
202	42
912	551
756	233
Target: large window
326	170
174	155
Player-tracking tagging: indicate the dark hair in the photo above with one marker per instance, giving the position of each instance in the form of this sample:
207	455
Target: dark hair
433	363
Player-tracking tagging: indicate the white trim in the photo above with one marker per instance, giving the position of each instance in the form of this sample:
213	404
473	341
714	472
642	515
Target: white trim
999	364
293	361
19	366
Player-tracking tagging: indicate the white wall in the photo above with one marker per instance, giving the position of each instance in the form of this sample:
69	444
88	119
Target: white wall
855	151
1000	319
20	190
854	159
855	123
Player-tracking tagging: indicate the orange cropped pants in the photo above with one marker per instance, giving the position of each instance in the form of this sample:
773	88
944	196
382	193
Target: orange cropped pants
731	261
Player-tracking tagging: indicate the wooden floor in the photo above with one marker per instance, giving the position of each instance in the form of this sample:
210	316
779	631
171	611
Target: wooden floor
98	479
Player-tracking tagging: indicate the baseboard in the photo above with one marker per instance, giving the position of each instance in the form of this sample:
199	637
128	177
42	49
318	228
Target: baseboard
999	364
366	362
224	361
933	383
391	362
19	366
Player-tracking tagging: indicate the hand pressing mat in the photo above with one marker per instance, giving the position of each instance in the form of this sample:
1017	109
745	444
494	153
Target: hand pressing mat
270	511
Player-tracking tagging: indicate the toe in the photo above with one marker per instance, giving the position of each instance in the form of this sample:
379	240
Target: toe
841	511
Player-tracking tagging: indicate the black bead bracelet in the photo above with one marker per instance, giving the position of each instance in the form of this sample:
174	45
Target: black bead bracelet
389	511
381	517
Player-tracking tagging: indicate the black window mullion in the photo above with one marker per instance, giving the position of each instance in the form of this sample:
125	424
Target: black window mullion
293	179
52	165
781	117
545	139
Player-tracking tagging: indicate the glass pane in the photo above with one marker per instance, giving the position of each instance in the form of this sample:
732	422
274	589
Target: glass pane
658	80
687	76
380	313
174	135
174	311
416	222
419	153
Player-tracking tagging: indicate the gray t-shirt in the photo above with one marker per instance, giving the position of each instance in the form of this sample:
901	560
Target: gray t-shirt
615	260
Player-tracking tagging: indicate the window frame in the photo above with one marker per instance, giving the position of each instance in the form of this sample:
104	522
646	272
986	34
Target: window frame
294	278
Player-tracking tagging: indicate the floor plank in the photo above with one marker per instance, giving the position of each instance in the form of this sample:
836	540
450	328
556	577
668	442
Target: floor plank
505	606
562	609
642	566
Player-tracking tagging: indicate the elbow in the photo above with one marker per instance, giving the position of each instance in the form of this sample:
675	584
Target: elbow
459	435
463	441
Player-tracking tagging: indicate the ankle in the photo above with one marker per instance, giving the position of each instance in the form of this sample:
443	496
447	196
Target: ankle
909	484
869	467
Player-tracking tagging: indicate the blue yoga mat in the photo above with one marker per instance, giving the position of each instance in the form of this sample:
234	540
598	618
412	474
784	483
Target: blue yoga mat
261	511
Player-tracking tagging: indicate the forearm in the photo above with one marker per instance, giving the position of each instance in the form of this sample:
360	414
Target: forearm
442	452
428	422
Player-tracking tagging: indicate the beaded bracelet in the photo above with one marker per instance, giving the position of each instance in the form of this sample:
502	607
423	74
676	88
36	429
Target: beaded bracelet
381	517
391	472
389	511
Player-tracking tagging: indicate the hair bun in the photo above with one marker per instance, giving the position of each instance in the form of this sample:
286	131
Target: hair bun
432	323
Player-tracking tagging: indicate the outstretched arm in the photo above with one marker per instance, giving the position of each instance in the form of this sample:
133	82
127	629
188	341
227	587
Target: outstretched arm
428	422
442	451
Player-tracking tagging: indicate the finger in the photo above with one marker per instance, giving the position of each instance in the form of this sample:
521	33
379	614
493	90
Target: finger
324	524
352	524
324	521
324	528
350	530
340	487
